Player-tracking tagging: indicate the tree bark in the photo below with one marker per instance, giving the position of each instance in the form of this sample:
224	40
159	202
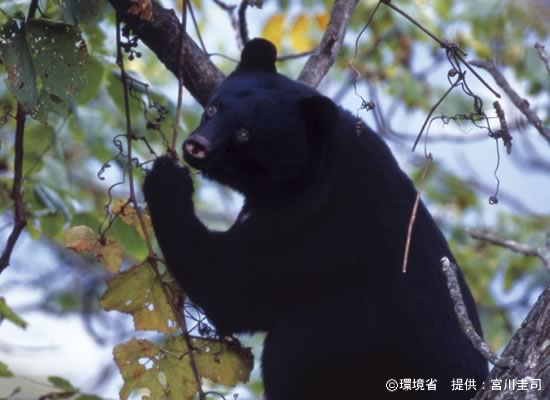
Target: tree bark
162	36
529	351
318	65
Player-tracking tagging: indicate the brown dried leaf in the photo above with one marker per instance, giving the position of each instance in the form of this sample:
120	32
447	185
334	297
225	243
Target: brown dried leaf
83	239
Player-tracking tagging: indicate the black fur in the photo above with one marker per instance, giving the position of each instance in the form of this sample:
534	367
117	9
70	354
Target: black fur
315	257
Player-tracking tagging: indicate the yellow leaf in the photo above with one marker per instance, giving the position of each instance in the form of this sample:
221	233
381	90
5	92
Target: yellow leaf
139	293
274	30
80	238
127	213
138	376
322	21
299	34
83	239
165	371
217	362
109	254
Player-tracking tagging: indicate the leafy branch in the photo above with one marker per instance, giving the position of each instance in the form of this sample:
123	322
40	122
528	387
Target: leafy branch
152	258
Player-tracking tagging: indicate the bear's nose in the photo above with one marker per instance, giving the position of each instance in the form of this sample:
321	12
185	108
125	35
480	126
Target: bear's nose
197	146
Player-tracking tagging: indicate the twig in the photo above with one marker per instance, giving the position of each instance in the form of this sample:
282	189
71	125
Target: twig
543	253
458	137
195	24
294	56
543	55
503	132
16	192
243	25
414	210
521	104
129	138
319	64
445	44
224	6
32	10
434	107
479	78
230	9
172	148
356	49
449	269
442	43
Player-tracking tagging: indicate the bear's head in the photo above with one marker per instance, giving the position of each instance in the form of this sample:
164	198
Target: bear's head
261	133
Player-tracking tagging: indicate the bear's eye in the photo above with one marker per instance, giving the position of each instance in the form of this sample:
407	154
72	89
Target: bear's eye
211	110
242	135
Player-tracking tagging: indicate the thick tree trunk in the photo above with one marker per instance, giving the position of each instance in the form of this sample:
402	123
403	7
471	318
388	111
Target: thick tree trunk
529	352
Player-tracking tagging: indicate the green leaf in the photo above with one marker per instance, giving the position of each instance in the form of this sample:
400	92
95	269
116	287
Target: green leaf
52	224
166	371
95	78
62	383
38	140
16	57
138	292
5	371
88	219
222	364
60	56
129	238
7	312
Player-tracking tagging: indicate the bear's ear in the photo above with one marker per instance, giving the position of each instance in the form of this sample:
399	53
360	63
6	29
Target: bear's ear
258	54
319	112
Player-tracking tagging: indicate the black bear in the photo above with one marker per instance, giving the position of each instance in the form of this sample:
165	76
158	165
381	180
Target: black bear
314	258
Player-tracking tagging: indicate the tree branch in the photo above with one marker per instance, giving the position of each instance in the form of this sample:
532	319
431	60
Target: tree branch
543	56
243	25
521	104
162	36
543	253
449	269
16	193
320	63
